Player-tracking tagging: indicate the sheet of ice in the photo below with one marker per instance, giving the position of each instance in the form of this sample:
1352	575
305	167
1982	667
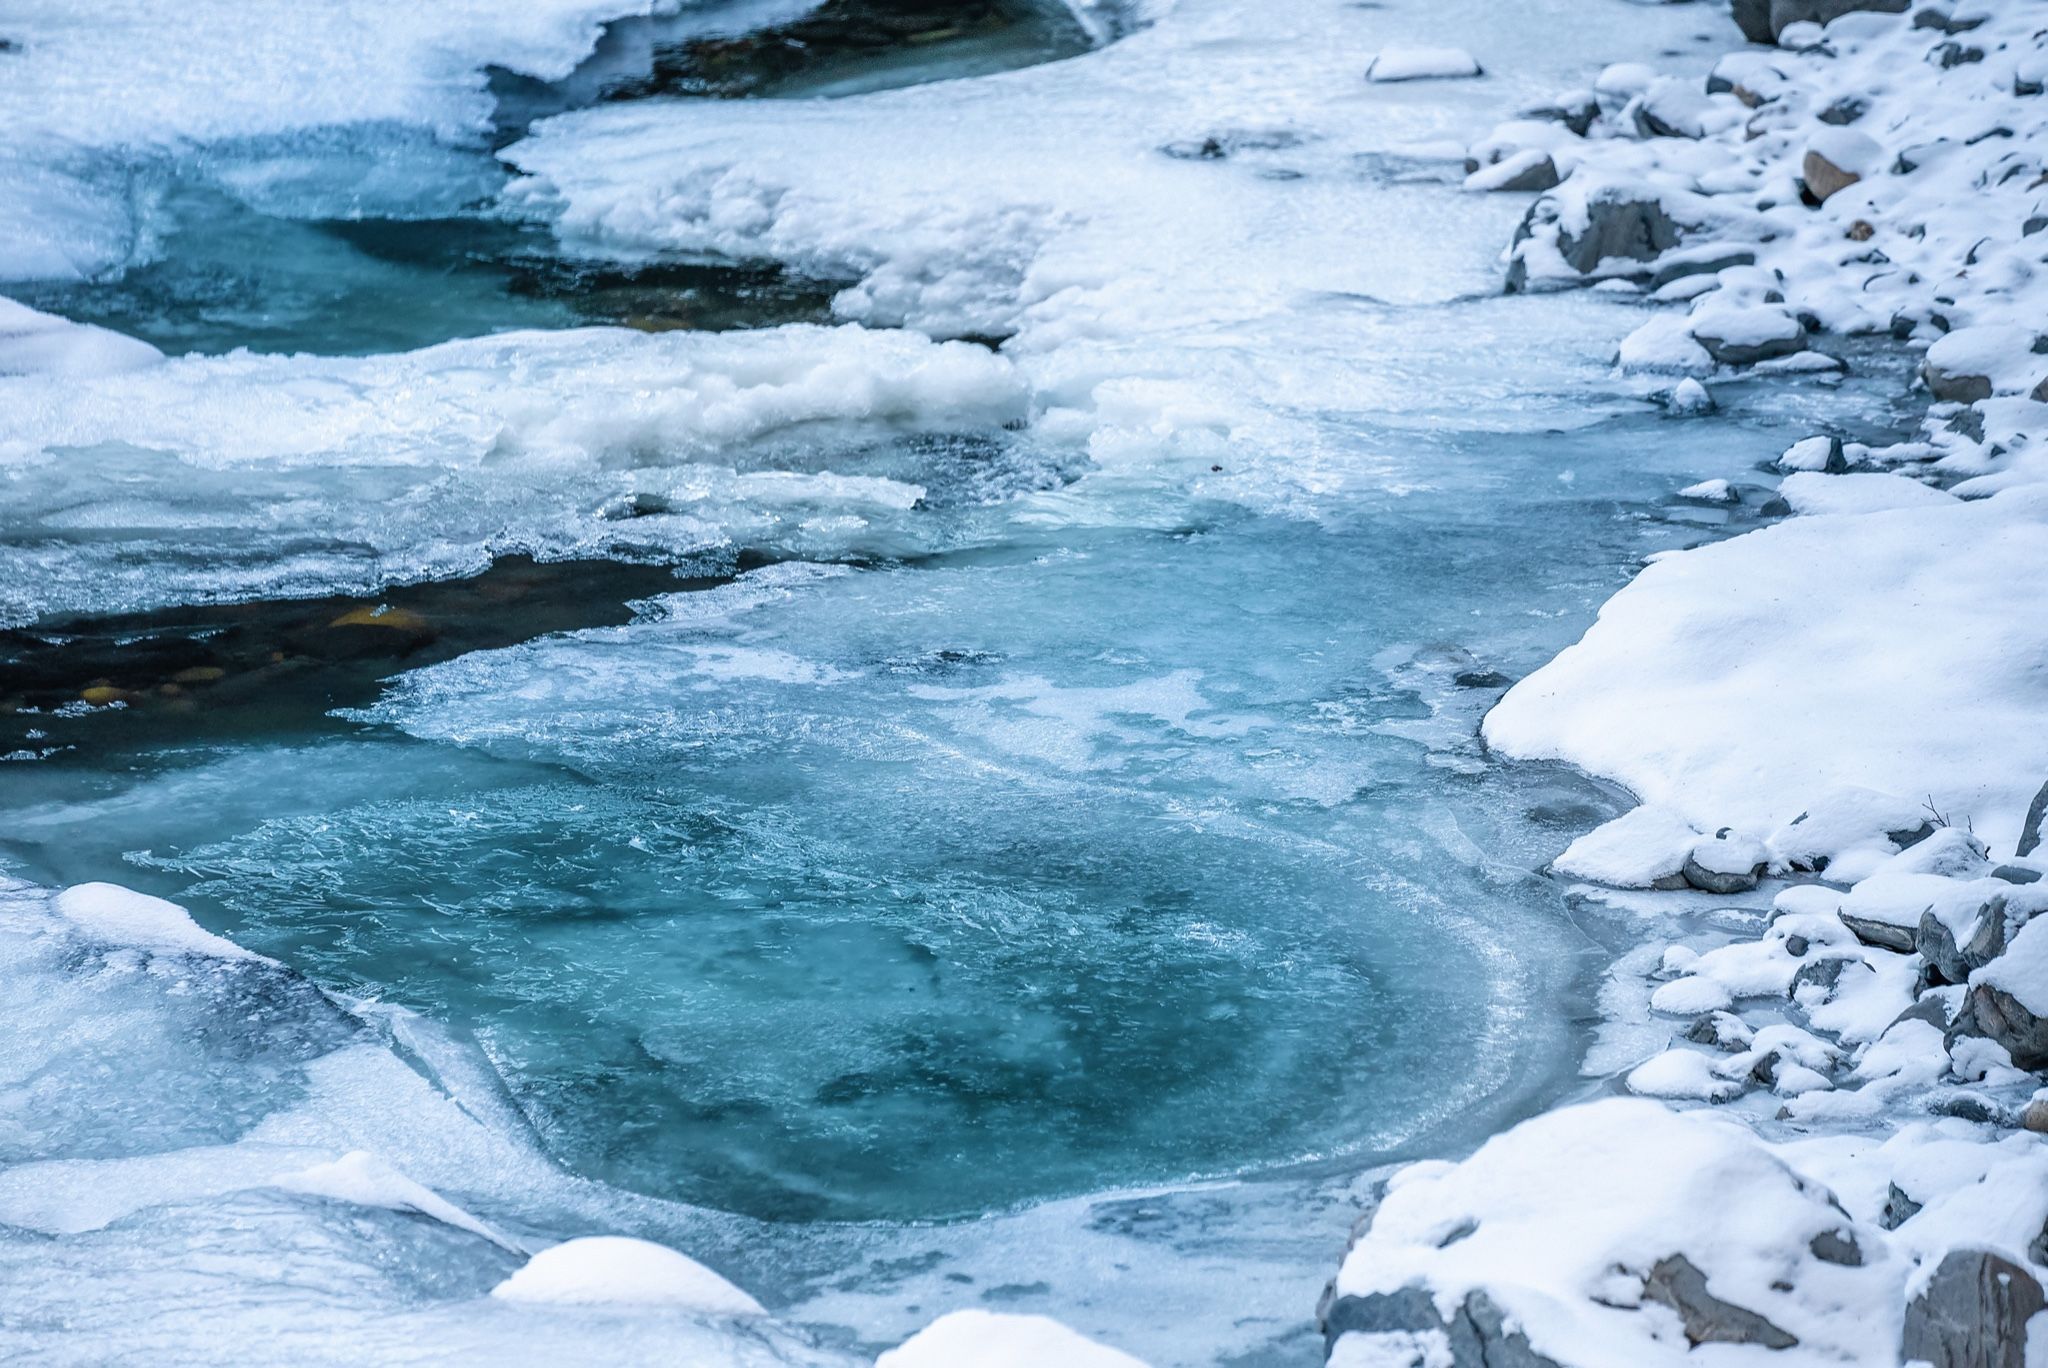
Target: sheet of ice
1732	682
246	475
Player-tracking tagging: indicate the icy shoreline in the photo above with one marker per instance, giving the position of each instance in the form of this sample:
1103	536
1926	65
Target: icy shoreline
1836	724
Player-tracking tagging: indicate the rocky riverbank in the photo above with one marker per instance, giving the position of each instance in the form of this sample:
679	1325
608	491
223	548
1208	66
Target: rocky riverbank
1836	724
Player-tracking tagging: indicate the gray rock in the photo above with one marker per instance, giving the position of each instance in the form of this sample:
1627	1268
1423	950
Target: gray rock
1576	112
1837	1247
1970	1107
1827	973
1898	1208
1999	1016
2016	874
1846	110
1689	265
1929	1009
1973	1313
1785	12
1634	229
1677	1282
1753	17
1884	935
2032	829
1954	961
1954	387
1540	175
1946	23
1479	1335
1729	353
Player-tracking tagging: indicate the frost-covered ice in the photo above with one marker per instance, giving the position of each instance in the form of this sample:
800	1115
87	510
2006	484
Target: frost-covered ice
247	475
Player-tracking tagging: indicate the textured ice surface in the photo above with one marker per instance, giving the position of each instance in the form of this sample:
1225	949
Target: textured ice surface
245	475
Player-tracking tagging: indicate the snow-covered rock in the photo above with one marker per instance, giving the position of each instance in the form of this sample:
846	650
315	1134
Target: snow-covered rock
1417	63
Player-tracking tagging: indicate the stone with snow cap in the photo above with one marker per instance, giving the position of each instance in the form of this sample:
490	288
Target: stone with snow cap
1401	62
1836	158
1726	862
1702	1234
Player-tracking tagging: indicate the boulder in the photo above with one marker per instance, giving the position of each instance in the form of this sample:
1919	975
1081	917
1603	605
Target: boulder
1744	336
2031	830
1956	960
1821	453
1996	1014
1527	170
1972	364
1619	223
1724	863
1784	13
1973	1313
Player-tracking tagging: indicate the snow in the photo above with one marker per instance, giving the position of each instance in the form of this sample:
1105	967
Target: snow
1731	682
1857	153
1564	1216
366	1180
34	343
1405	63
427	463
1642	847
991	1339
616	1270
122	917
1809	454
2022	971
2004	354
1811	492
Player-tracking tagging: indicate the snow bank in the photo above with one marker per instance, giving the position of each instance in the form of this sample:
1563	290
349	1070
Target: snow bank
989	1339
1610	1234
35	343
1898	651
614	1270
122	917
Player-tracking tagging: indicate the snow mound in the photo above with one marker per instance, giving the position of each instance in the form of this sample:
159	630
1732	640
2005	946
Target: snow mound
36	343
1422	63
989	1339
618	1270
122	917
